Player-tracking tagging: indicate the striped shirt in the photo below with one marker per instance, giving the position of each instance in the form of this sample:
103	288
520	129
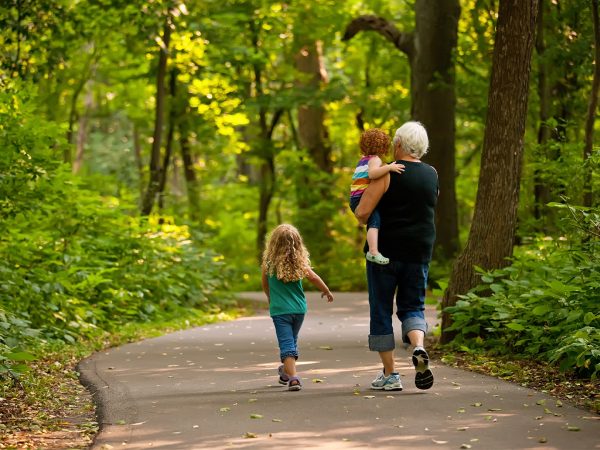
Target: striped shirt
360	178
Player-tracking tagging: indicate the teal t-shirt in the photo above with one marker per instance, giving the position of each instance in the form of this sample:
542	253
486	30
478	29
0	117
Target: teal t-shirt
286	298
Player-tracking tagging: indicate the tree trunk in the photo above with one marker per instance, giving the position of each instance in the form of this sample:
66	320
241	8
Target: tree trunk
430	53
137	151
193	189
82	131
495	216
155	169
169	146
313	187
591	113
311	129
541	189
264	148
434	104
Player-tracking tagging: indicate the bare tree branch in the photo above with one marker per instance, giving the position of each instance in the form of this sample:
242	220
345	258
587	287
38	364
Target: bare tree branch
402	41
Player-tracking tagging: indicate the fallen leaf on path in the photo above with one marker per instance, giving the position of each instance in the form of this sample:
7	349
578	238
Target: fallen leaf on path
462	428
249	435
276	420
225	409
460	410
317	380
573	428
121	422
465	446
494	409
256	416
252	400
476	404
326	347
559	403
439	442
369	396
542	440
540	402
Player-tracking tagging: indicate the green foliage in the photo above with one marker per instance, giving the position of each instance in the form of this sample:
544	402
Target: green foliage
544	305
74	263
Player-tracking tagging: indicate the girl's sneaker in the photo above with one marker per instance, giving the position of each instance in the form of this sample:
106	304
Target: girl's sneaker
390	383
423	376
283	377
377	259
294	384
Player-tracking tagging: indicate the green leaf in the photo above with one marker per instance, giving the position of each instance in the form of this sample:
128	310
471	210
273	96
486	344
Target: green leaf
515	326
20	356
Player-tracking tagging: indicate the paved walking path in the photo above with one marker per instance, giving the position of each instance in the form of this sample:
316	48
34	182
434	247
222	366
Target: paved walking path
216	387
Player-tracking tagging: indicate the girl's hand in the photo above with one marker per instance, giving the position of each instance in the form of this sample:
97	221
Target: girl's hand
395	167
329	296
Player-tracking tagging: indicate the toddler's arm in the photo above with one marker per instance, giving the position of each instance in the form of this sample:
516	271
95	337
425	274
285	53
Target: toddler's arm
319	284
377	169
265	285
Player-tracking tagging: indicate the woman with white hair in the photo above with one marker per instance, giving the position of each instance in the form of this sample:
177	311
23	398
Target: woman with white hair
406	203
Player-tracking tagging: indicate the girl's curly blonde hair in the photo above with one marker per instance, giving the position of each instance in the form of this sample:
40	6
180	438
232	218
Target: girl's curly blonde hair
374	142
285	255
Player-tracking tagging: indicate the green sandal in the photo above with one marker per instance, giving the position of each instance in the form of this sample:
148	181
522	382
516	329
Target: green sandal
377	259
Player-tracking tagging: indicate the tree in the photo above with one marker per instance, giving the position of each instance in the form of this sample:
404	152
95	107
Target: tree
430	54
492	233
155	165
591	114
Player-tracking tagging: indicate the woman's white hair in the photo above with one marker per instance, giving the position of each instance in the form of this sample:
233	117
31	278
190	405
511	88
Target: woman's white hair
412	136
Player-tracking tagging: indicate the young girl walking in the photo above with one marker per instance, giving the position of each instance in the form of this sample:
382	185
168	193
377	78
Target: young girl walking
285	263
374	143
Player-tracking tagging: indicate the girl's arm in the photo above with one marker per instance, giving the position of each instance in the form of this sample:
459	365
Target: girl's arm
265	285
319	284
377	169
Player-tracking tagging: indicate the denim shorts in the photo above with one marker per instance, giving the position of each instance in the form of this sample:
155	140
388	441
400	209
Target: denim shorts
374	220
407	282
287	327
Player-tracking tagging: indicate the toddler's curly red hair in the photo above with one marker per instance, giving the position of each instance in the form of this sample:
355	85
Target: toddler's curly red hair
374	142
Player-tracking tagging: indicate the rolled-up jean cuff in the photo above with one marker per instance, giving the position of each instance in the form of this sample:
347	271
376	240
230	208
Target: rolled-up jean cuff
381	343
410	324
287	355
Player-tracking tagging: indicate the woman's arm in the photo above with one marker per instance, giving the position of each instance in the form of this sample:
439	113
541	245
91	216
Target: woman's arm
370	198
265	285
319	284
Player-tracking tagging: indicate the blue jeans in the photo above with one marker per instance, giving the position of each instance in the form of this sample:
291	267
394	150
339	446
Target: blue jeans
287	327
408	282
374	220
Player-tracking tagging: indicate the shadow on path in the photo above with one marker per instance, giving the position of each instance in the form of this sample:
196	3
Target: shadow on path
216	387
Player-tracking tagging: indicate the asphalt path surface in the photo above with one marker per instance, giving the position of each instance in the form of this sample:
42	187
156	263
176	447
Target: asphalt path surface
216	387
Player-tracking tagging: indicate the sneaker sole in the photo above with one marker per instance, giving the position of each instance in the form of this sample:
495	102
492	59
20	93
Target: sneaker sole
296	387
392	387
424	376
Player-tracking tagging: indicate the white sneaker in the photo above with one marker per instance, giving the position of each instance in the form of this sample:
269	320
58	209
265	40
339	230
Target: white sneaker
390	383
